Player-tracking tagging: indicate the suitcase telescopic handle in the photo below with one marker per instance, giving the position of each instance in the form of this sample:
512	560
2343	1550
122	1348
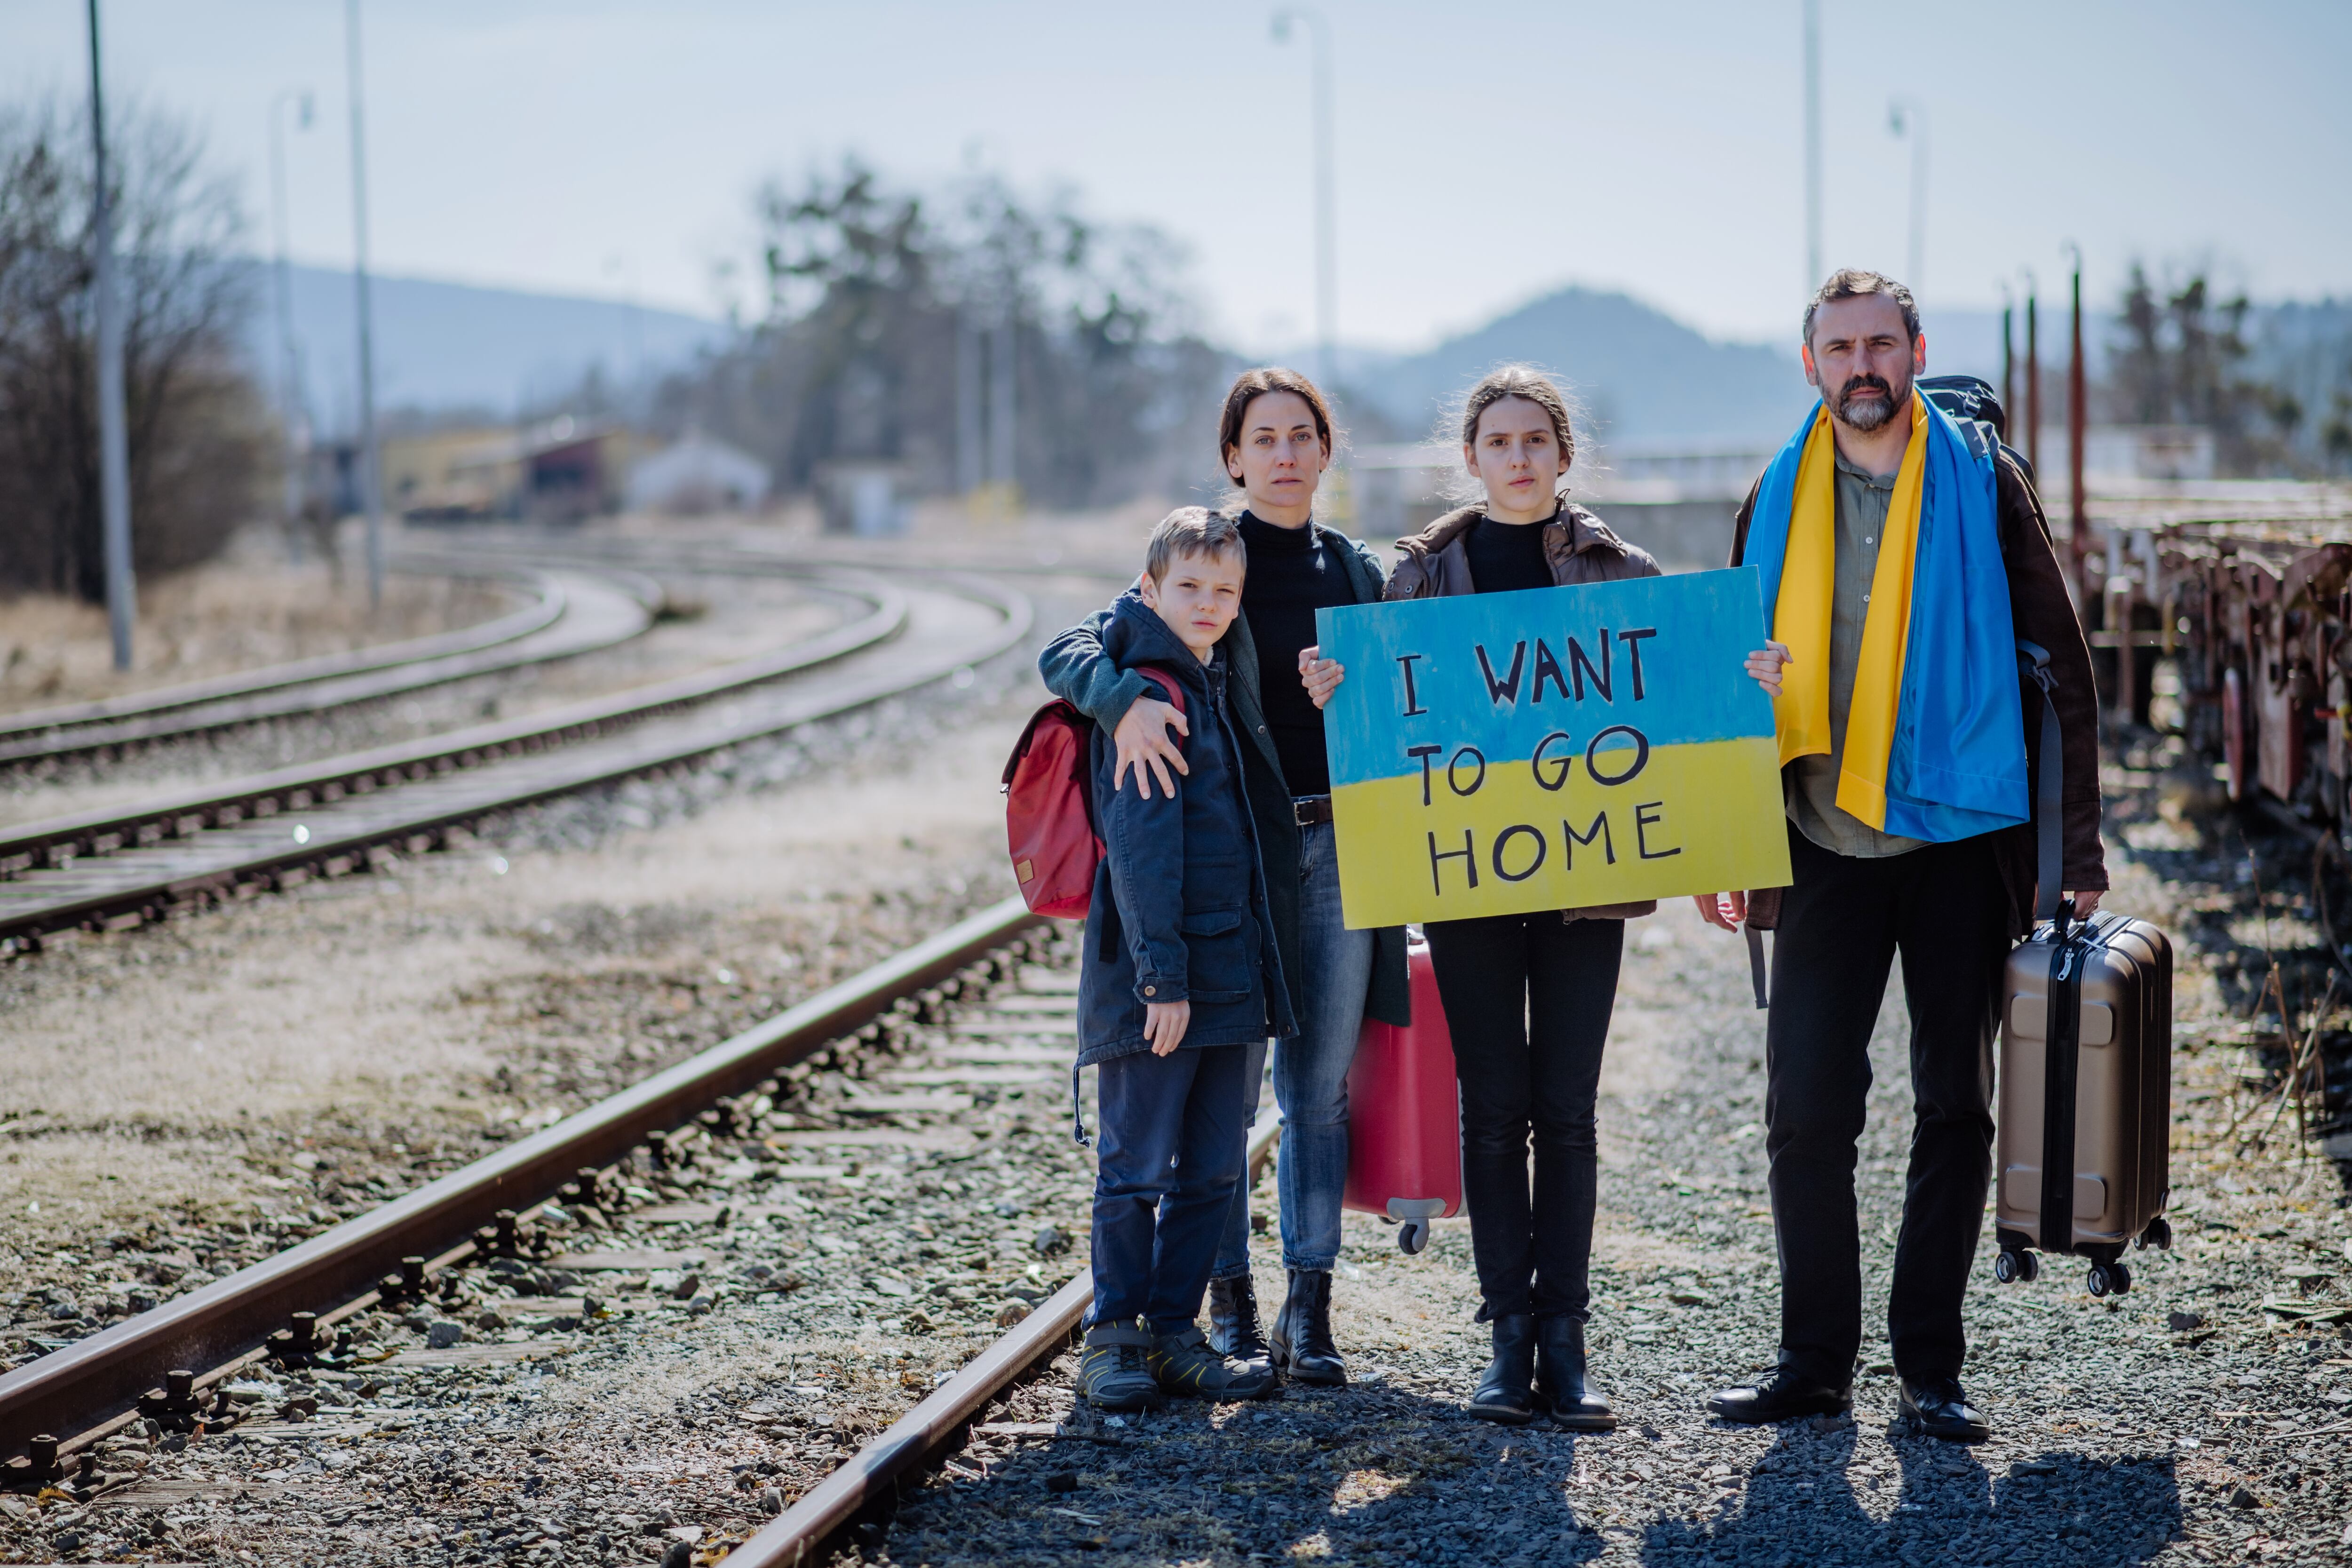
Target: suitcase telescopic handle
2049	787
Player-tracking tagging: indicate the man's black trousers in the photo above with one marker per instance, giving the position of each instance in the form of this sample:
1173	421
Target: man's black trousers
1843	923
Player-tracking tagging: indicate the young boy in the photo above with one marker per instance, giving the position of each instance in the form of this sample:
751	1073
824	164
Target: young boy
1181	973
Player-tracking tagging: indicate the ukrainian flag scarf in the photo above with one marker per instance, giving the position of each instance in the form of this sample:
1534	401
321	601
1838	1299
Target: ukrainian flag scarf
1935	737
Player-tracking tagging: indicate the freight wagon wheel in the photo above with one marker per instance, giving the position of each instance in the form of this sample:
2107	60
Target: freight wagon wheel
1412	1234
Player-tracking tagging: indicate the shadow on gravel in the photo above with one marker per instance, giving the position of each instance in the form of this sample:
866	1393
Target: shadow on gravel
1369	1477
1801	1508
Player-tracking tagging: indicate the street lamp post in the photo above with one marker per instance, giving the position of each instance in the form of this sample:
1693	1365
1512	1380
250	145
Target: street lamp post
290	392
371	463
1908	117
1327	267
113	431
1812	145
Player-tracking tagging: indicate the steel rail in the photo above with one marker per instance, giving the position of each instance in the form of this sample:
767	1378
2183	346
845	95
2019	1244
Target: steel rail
88	1384
578	631
546	607
869	1482
99	832
136	887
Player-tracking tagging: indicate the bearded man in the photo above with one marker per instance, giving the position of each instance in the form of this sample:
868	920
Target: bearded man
1906	564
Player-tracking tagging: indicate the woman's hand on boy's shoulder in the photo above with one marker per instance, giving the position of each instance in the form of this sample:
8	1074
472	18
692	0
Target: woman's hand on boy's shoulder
1145	745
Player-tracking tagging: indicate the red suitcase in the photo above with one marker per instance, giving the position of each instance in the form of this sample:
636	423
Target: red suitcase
1405	1114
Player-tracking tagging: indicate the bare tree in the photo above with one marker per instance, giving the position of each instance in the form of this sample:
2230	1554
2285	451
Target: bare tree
872	294
199	439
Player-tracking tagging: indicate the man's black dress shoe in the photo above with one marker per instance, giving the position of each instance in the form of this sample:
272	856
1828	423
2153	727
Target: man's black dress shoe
1938	1407
1781	1394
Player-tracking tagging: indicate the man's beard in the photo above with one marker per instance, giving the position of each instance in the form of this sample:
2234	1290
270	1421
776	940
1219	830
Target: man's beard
1866	403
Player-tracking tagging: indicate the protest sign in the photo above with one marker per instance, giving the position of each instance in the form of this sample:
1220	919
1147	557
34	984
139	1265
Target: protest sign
1556	747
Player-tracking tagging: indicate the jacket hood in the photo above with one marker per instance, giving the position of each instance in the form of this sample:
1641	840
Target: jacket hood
1136	635
1584	530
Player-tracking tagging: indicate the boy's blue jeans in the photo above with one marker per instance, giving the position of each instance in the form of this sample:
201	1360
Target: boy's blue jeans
1310	1073
1170	1153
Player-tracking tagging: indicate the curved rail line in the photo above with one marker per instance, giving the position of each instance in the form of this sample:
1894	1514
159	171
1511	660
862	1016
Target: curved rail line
92	1388
115	870
576	610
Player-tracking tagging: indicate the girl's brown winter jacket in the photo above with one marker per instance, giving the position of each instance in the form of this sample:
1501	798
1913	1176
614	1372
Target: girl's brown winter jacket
1579	547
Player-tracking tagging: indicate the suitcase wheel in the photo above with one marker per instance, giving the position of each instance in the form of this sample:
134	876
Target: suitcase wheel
2109	1278
2015	1267
2159	1235
1412	1234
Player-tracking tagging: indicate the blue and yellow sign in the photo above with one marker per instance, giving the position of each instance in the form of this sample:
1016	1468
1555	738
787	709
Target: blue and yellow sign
1503	753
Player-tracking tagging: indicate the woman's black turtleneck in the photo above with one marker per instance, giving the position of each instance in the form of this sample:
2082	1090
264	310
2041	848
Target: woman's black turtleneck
1291	576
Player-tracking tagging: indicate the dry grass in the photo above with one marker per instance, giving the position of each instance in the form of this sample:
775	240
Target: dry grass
232	615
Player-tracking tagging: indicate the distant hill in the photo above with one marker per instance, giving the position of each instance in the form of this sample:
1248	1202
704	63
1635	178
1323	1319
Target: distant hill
1644	377
452	345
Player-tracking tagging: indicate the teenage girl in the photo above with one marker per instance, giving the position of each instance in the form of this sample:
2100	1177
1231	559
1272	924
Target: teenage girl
1275	441
1527	998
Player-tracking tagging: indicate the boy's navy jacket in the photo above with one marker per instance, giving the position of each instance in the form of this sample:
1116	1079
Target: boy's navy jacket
1180	906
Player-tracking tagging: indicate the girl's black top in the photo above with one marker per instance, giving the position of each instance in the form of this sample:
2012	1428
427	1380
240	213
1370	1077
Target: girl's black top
1504	556
1291	576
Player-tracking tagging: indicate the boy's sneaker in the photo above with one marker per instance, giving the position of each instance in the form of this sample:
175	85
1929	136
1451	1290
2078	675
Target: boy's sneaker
1185	1365
1116	1373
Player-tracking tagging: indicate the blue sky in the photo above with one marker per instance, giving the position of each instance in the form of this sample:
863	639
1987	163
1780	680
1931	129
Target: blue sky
610	146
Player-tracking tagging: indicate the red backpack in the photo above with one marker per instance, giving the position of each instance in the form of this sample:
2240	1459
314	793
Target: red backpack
1049	820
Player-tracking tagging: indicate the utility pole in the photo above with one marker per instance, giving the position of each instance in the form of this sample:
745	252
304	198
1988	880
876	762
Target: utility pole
370	457
1327	267
970	463
113	430
1814	274
2078	541
2032	380
1908	116
290	392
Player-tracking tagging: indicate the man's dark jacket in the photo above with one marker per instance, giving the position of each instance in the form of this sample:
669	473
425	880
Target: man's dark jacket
2041	613
1074	671
1178	913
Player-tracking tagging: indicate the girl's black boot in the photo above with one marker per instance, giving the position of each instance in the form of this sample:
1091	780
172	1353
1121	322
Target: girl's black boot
1504	1391
1560	1377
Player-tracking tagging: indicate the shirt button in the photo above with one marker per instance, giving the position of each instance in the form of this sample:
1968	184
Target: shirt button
1865	599
1866	539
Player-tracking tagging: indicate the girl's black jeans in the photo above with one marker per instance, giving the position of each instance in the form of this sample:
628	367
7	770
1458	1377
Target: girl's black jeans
1528	999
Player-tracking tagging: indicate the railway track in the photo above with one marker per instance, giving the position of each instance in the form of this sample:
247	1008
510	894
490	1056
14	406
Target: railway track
116	870
893	1062
572	611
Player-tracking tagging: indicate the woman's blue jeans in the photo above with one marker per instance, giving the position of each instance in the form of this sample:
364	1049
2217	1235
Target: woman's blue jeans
1310	1073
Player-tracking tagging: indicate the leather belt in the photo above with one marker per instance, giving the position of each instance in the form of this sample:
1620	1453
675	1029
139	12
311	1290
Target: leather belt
1311	809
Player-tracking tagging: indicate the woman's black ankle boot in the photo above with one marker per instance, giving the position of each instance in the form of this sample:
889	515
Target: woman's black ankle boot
1560	1377
1506	1389
1303	1349
1234	1327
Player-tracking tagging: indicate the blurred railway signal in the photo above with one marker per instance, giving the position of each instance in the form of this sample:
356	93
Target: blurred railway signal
2078	527
114	436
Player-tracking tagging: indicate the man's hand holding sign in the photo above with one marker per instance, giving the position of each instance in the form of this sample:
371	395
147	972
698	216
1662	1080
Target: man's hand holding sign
1558	748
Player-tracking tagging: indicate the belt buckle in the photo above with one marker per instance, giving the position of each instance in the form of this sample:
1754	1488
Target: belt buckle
1311	812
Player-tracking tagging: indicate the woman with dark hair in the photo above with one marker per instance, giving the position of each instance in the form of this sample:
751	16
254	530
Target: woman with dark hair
1275	439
